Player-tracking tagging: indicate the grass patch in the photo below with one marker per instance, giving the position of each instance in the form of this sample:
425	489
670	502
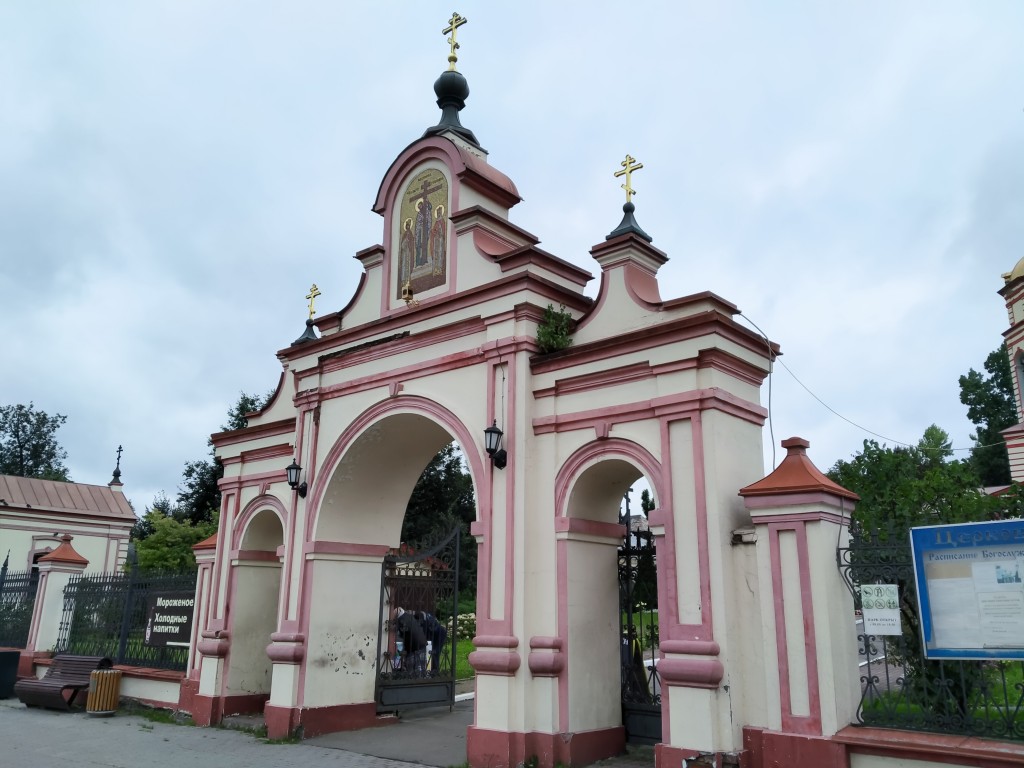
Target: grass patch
156	715
462	669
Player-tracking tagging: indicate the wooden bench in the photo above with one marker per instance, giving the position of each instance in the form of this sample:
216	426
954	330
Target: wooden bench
66	677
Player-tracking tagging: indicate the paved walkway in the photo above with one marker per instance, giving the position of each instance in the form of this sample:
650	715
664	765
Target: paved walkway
46	739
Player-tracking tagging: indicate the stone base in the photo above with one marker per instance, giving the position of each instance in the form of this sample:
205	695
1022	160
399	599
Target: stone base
769	749
284	722
211	710
500	749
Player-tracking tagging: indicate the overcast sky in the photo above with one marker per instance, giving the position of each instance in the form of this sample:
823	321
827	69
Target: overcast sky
174	176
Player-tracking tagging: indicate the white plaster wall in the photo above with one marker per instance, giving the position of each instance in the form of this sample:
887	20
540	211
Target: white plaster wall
744	677
99	543
732	459
341	641
162	692
593	603
253	619
839	677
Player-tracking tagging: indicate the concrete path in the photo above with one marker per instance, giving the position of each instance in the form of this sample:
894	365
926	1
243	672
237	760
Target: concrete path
429	736
39	738
45	739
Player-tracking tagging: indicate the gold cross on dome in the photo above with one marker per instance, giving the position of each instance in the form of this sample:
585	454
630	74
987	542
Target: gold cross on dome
313	293
454	23
628	166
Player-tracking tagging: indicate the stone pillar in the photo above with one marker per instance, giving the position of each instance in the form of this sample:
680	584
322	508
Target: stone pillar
205	553
811	674
55	571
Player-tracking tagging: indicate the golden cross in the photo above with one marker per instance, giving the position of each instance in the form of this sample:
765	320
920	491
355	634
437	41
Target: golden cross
627	170
454	23
313	293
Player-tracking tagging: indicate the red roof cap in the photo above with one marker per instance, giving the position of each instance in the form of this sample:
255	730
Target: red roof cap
796	474
207	543
64	553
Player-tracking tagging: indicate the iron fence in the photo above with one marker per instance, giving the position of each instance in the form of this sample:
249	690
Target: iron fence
109	614
17	599
900	687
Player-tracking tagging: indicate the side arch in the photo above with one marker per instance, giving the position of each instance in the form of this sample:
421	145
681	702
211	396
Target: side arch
248	517
613	450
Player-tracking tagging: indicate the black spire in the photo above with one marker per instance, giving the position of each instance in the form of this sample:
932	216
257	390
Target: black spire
628	224
308	335
116	479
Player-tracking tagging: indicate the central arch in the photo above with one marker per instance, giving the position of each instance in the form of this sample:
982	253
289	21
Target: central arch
360	497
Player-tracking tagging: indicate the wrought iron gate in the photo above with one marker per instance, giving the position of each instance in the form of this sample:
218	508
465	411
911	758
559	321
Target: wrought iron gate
419	580
17	598
638	617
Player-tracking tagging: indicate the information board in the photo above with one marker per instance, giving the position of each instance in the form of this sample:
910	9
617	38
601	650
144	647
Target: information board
970	588
169	619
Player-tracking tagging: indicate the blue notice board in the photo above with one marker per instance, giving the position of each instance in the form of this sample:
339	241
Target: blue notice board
970	589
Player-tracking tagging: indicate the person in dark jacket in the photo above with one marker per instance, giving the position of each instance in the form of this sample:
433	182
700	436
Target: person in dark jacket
413	639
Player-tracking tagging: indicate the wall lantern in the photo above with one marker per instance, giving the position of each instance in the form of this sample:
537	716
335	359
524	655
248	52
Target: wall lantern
293	470
492	442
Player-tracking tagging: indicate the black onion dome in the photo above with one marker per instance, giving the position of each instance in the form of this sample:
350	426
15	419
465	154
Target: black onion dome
452	89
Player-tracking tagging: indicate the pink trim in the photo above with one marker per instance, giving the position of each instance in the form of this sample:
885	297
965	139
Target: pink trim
598	380
344	548
701	513
270	452
214	643
692	647
404	404
693	673
254	507
495	662
562	586
254	556
244	435
495	641
703	324
811	516
677	406
588	527
286	648
541	662
803	724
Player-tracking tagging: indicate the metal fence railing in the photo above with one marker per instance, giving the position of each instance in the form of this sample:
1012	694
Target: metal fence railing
17	599
900	687
113	614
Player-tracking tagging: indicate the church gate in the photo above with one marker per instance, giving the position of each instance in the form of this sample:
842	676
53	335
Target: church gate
421	579
440	342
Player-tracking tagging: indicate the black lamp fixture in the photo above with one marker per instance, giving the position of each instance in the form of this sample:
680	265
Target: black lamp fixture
293	470
492	442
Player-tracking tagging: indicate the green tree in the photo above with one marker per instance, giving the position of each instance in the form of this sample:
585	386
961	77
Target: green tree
28	443
168	547
901	488
991	408
442	499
